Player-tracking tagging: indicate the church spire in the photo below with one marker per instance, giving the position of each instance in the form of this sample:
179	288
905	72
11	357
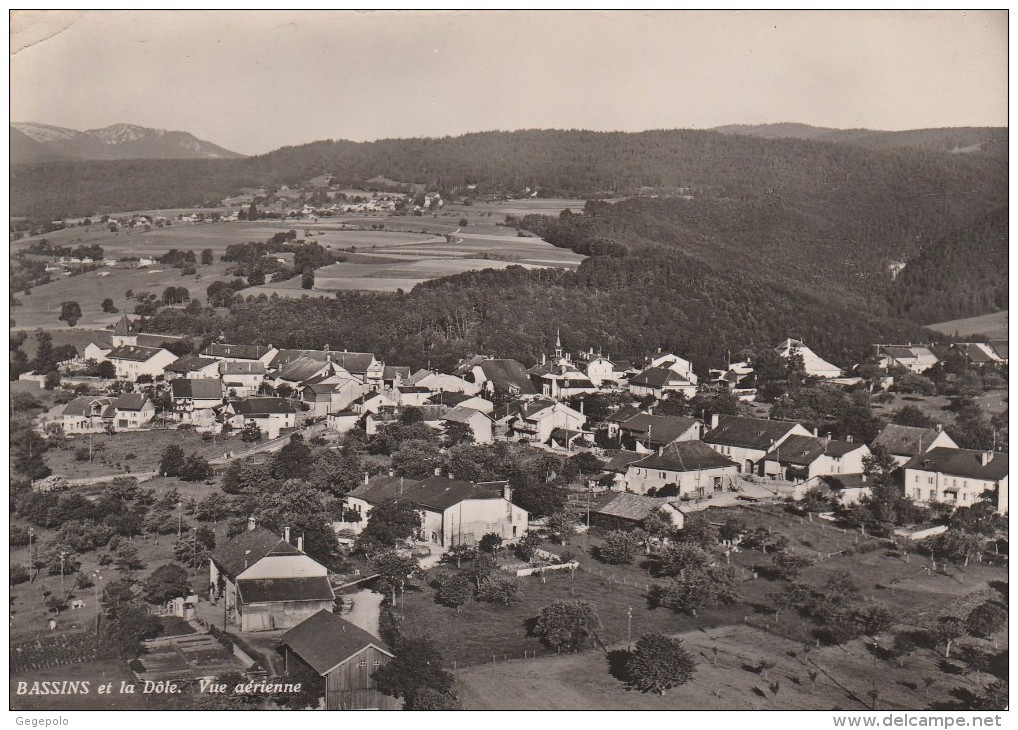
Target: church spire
558	343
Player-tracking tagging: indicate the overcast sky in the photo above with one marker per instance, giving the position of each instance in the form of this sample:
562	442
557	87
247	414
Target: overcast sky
255	81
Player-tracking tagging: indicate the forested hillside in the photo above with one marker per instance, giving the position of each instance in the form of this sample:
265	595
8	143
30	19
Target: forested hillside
571	163
992	140
962	274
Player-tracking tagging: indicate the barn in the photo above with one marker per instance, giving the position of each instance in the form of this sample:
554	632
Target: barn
345	656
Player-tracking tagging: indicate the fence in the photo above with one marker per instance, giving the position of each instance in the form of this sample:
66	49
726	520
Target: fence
523	572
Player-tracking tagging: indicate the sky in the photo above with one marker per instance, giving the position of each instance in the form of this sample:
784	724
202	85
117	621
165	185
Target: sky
253	81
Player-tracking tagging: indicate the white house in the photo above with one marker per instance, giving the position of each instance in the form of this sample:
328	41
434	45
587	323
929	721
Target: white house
194	367
813	364
536	420
659	381
241	378
914	358
132	411
85	415
133	361
746	441
646	433
695	468
196	399
801	458
479	424
241	353
443	383
453	511
270	414
957	477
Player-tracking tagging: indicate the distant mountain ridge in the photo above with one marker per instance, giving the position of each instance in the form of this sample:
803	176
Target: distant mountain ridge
950	139
115	142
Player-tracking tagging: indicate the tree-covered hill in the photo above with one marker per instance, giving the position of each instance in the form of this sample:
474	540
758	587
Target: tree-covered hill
962	274
990	140
571	163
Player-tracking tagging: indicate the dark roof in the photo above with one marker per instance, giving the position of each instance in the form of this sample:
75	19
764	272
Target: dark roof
974	353
320	388
657	429
123	326
622	366
899	352
130	402
243	550
285	357
438	493
962	463
838	482
621	460
264	590
803	450
133	352
242	368
242	352
685	456
83	406
301	369
905	440
624	414
353	362
748	433
658	377
529	408
391	371
326	640
449	398
188	363
255	406
635	507
201	388
508	373
564	434
999	347
461	414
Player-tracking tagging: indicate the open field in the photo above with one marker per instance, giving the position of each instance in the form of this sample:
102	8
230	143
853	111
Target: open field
936	407
993	326
845	676
41	308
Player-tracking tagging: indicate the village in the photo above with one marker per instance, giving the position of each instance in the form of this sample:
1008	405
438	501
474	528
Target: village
610	459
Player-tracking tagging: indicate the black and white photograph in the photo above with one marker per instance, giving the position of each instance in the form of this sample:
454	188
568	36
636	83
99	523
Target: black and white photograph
509	360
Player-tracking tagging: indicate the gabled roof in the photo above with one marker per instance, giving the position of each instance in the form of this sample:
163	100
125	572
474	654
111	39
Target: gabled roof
320	388
83	406
353	362
977	352
528	409
242	368
389	372
999	347
905	440
657	429
240	352
507	373
962	463
683	456
804	450
136	353
325	641
266	590
437	493
200	388
748	433
620	461
301	369
130	402
256	406
187	363
622	366
462	414
634	507
624	413
242	551
658	377
449	398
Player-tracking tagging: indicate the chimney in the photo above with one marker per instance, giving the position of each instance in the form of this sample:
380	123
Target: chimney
300	543
985	457
450	475
863	478
286	534
366	478
507	492
940	427
251	523
438	471
816	432
849	438
392	473
714	420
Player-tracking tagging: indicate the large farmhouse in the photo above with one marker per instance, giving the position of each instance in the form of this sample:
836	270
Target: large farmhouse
266	582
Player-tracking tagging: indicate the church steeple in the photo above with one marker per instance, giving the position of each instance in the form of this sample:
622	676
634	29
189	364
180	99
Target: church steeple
123	333
558	344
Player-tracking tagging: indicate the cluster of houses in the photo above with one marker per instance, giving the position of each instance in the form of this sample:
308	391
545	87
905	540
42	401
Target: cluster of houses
231	384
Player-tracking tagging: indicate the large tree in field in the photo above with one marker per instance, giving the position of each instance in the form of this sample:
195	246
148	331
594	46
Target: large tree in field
166	582
567	625
172	460
70	312
658	663
619	547
395	569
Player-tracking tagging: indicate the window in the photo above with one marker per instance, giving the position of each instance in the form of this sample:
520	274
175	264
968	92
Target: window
662	474
917	493
929	480
362	663
933	494
917	477
376	663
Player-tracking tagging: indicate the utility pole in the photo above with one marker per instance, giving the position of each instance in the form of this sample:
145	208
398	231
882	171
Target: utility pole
31	556
180	518
63	557
98	579
629	629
